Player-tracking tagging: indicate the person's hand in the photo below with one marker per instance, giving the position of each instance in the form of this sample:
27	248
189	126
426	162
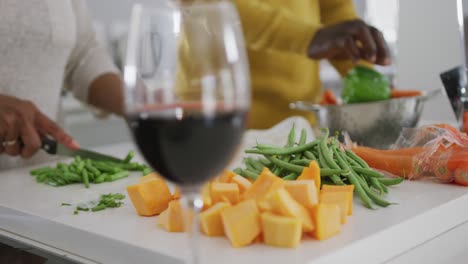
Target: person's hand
353	40
21	121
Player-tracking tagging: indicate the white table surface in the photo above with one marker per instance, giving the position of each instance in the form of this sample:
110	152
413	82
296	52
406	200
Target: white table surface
31	213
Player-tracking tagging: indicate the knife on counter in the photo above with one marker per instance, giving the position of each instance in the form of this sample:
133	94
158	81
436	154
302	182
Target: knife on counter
54	148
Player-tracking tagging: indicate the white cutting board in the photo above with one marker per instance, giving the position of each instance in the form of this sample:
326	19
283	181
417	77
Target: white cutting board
32	212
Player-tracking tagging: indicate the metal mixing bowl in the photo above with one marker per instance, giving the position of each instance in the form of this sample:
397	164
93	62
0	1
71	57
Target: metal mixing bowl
374	124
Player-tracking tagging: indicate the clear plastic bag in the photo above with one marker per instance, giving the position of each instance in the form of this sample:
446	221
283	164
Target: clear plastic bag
443	153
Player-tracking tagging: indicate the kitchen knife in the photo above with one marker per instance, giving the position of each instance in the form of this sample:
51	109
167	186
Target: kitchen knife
455	81
54	148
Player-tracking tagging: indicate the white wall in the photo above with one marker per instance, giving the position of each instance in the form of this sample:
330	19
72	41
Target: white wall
429	42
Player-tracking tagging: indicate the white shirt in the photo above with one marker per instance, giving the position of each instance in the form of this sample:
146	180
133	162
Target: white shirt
45	46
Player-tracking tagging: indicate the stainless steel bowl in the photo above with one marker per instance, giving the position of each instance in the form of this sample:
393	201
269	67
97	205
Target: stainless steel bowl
374	124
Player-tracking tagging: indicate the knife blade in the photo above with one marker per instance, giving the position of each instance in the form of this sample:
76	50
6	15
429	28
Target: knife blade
54	148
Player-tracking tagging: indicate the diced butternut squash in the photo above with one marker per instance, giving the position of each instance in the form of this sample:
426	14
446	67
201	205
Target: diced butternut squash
311	173
259	239
349	189
338	198
264	205
150	176
176	194
150	197
226	176
206	195
221	192
304	192
210	220
242	182
327	221
266	182
282	203
281	231
172	219
241	223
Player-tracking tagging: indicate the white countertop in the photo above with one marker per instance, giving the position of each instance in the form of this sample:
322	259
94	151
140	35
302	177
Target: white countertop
31	213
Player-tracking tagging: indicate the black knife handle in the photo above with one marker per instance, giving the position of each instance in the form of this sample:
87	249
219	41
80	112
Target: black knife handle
49	145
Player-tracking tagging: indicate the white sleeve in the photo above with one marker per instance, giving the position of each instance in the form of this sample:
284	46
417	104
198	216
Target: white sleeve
88	59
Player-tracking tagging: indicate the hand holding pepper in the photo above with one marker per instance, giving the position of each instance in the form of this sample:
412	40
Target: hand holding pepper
353	40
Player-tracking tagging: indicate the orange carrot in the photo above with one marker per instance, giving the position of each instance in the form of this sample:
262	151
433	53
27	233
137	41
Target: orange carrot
403	151
461	176
400	165
394	93
329	98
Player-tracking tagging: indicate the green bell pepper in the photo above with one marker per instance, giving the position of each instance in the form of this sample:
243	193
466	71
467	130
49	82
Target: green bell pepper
365	85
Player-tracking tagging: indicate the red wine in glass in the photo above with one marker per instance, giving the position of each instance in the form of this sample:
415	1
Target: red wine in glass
189	149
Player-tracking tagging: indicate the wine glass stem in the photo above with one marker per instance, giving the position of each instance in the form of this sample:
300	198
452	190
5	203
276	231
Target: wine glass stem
194	203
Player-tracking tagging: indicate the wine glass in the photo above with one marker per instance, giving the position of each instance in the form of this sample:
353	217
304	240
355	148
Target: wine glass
187	92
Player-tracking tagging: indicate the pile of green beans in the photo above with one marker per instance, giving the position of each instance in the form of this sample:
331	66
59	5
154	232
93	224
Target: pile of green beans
337	165
88	171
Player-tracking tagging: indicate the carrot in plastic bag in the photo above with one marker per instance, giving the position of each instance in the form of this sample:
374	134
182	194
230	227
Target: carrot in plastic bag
461	176
399	165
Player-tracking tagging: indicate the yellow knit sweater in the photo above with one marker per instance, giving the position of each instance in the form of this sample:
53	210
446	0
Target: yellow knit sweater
278	33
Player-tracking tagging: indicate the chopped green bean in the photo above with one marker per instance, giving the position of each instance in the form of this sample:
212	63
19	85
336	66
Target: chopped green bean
283	151
129	157
376	198
256	164
98	208
147	171
85	178
367	172
118	175
89	166
101	178
310	155
302	162
247	174
376	184
41	170
267	146
286	165
357	159
353	178
391	181
330	172
291	177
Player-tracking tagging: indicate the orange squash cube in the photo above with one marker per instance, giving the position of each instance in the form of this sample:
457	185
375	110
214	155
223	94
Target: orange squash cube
241	223
327	221
176	194
266	182
225	177
349	189
338	198
242	182
210	220
221	192
281	231
172	219
206	195
150	197
150	176
283	204
304	192
311	173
